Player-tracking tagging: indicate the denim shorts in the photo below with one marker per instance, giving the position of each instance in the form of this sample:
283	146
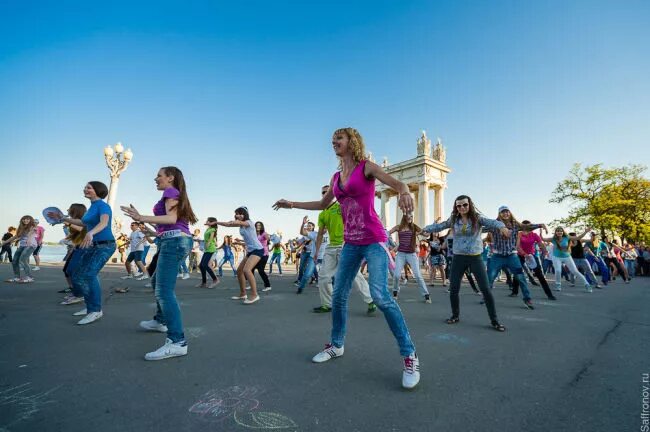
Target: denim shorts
135	256
256	252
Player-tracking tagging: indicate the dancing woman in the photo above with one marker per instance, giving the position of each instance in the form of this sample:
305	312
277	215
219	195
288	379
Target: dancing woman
27	243
96	249
466	223
209	249
436	259
75	237
172	215
354	188
407	233
254	253
264	240
526	241
228	257
562	256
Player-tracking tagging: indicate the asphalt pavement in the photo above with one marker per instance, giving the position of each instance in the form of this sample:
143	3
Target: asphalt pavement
576	364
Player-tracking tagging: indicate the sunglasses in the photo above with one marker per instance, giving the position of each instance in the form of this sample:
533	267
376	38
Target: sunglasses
463	205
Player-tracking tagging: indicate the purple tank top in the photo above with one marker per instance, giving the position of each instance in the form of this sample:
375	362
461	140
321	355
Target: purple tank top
361	225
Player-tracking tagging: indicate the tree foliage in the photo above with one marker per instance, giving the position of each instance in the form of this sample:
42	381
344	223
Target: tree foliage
613	200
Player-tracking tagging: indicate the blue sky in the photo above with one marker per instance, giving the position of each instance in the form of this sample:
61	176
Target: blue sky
244	96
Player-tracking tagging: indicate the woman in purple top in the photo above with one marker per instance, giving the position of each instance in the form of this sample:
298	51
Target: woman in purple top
172	216
354	188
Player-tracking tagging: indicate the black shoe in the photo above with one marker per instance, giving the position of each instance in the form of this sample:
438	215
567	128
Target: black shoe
322	309
64	291
532	281
513	295
427	298
552	298
299	291
395	294
529	304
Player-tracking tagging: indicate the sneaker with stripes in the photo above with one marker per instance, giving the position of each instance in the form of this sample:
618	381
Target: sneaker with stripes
411	374
328	353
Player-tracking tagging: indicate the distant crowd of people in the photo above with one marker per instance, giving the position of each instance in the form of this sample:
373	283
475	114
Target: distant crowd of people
346	241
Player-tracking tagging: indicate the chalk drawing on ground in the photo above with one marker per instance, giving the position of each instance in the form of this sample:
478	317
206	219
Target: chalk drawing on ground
241	404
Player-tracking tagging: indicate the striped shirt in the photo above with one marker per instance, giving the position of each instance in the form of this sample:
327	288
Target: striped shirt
405	242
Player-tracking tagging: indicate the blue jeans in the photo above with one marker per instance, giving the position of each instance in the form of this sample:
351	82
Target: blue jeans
602	268
172	251
511	262
85	278
144	254
275	258
228	259
73	264
349	264
307	267
183	267
21	259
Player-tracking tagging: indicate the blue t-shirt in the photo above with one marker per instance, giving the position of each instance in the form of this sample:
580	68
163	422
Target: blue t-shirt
92	216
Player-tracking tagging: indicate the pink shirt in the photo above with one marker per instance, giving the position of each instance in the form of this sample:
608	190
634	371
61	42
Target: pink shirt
527	242
264	239
361	225
39	234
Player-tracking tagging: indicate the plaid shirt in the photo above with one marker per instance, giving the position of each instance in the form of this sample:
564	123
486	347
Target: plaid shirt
506	245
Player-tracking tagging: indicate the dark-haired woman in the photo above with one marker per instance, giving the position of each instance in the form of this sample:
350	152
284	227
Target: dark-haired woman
264	240
209	249
172	215
228	257
75	237
407	233
562	256
365	237
436	258
6	248
254	253
466	223
526	241
96	249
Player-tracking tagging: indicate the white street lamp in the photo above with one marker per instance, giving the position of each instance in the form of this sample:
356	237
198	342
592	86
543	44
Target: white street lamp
117	161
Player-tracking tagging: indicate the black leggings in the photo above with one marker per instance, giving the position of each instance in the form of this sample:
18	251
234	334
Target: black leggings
475	264
6	249
204	266
261	265
537	271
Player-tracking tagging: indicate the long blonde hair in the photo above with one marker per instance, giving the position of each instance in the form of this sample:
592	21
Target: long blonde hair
356	144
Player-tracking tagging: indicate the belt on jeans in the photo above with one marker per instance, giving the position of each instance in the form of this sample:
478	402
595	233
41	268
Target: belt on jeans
102	242
172	234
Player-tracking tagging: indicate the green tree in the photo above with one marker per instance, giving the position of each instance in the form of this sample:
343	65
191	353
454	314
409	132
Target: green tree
614	200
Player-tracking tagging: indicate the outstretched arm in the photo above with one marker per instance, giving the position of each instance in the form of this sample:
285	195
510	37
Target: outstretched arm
324	202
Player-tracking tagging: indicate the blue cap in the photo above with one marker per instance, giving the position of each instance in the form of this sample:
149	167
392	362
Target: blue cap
502	208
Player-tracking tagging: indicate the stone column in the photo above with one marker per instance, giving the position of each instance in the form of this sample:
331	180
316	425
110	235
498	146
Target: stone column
439	203
384	209
423	205
416	205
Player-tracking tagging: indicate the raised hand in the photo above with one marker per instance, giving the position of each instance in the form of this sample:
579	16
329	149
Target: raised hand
281	204
405	202
131	212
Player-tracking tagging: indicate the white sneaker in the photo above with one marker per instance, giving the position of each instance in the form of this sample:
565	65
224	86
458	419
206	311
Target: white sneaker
328	353
411	374
248	301
143	277
72	300
153	325
148	285
129	276
265	289
185	276
170	349
248	287
81	312
90	318
180	275
36	268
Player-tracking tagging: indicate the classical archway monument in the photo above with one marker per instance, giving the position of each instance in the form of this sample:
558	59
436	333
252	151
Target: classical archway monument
427	171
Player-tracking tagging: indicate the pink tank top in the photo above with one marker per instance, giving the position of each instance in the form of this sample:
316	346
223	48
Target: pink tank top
361	225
